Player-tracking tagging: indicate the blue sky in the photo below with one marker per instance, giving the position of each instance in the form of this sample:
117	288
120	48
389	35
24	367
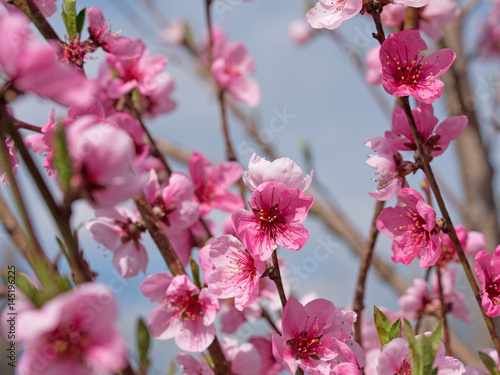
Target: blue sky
317	83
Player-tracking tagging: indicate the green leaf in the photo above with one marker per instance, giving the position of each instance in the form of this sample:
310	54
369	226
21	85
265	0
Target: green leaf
24	285
69	17
383	326
436	338
65	18
196	272
412	346
489	363
425	355
395	331
143	340
61	158
172	368
80	21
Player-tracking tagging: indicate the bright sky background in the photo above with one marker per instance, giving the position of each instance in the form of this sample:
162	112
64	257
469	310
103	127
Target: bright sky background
335	115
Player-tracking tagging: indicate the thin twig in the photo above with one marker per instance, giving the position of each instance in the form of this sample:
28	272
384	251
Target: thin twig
265	314
450	228
275	275
159	236
36	16
61	215
444	311
366	259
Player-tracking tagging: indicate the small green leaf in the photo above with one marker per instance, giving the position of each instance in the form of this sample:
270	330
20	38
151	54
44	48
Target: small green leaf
61	158
196	272
24	285
436	338
172	368
425	354
412	346
80	21
69	17
383	326
395	331
489	363
65	18
143	340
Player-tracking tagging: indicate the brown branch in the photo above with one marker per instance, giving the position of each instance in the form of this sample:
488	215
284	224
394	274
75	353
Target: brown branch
477	171
444	311
159	236
35	15
14	229
275	275
366	259
451	229
265	314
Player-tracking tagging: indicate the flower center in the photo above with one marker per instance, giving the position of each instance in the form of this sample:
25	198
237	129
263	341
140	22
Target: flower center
68	340
307	344
205	193
414	228
405	368
493	291
187	306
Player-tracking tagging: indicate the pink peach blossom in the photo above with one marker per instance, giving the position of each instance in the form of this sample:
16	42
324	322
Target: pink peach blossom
282	170
103	172
330	14
412	227
435	139
101	36
118	230
310	335
236	273
231	69
275	220
300	32
487	269
32	67
406	73
184	312
211	184
74	333
13	161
